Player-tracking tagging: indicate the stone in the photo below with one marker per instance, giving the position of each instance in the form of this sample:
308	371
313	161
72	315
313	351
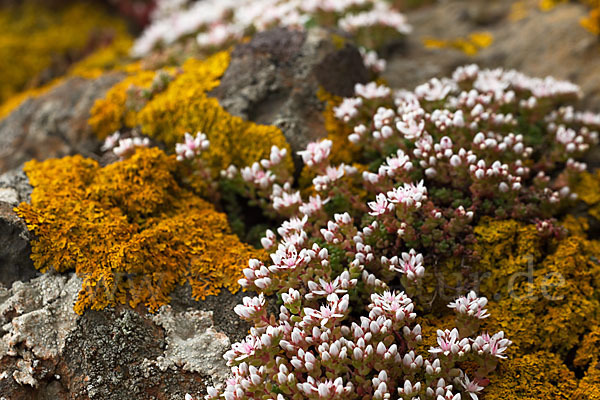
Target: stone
539	44
53	124
274	79
15	250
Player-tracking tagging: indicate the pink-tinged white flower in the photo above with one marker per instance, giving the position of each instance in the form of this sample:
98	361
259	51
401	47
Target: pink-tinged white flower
276	156
372	60
258	176
397	164
357	134
495	345
380	206
127	146
292	226
316	153
332	174
335	310
409	389
372	90
313	206
286	200
243	350
471	386
449	342
409	194
411	128
327	389
348	108
470	305
567	137
441	391
465	73
268	242
287	257
412	361
382	15
111	141
192	146
218	34
410	265
330	290
435	89
252	309
291	297
397	306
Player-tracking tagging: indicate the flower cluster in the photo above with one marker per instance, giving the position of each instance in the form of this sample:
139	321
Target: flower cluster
482	133
317	348
347	263
219	22
124	147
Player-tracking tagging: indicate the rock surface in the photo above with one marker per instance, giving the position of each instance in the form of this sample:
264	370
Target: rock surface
49	352
53	124
274	79
538	44
15	263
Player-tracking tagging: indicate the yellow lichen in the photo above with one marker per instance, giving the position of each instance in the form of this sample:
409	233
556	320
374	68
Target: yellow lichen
184	106
587	190
111	113
129	230
35	39
591	22
342	151
470	45
539	376
545	289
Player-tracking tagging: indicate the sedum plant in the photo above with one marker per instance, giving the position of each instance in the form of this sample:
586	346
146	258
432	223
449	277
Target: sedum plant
357	240
218	23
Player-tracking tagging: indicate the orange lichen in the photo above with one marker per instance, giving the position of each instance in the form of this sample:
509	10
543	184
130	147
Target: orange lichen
129	230
546	289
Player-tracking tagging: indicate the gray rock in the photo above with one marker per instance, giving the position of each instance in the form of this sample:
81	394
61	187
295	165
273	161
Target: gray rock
49	352
15	250
53	124
540	44
15	187
274	79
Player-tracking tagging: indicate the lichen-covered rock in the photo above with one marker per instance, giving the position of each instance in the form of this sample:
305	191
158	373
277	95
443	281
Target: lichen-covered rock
130	230
53	124
47	351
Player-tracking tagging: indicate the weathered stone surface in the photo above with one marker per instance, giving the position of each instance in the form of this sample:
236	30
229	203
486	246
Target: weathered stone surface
53	124
542	43
274	79
15	263
15	187
49	352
